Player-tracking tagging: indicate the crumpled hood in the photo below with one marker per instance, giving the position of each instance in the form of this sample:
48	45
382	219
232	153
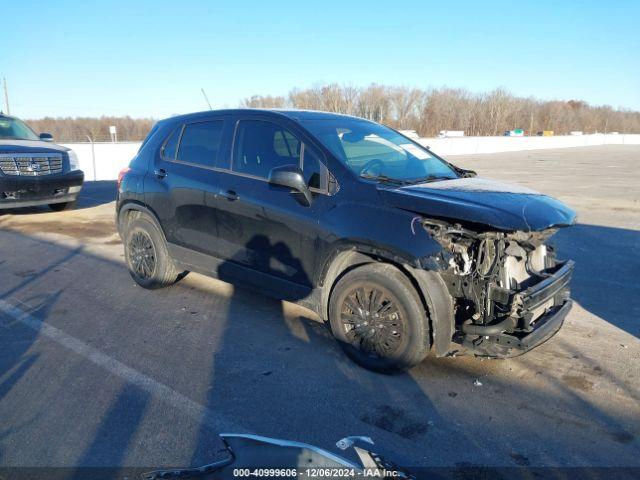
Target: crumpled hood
29	146
500	205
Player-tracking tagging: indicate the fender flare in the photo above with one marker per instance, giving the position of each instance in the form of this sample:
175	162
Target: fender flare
429	285
345	255
439	302
138	207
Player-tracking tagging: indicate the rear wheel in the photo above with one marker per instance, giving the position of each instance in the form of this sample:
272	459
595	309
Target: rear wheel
378	318
146	255
59	207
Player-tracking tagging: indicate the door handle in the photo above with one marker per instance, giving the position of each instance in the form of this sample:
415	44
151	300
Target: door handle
160	173
230	195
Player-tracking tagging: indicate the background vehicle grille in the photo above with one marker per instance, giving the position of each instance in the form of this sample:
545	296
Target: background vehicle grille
30	164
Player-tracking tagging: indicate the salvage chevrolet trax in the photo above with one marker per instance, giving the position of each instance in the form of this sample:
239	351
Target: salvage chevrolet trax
399	250
34	171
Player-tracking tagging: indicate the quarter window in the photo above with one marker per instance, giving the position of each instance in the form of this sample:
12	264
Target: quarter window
171	145
200	143
261	146
313	170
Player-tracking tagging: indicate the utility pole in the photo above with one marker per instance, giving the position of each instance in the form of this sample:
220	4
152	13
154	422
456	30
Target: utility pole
6	97
93	157
531	124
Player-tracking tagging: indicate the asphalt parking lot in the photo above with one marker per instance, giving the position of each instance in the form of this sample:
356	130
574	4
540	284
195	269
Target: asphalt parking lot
95	371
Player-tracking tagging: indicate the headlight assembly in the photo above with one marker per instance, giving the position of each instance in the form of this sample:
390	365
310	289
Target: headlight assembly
74	163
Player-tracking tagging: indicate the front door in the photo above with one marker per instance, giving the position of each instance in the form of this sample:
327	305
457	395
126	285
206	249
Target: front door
266	227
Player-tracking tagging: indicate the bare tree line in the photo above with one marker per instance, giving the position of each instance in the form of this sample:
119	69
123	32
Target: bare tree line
430	111
80	129
426	111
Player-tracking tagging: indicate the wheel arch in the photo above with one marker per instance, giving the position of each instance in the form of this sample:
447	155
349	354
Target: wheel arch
126	213
430	287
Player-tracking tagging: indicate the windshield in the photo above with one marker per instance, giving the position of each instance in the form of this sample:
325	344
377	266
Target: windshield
374	151
14	129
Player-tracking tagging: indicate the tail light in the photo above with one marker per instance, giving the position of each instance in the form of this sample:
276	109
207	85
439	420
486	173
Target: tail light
121	175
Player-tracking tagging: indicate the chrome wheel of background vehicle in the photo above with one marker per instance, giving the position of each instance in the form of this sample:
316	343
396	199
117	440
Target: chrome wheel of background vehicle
379	319
372	320
142	255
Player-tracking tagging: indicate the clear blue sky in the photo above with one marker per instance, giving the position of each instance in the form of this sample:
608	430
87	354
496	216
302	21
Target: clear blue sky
150	58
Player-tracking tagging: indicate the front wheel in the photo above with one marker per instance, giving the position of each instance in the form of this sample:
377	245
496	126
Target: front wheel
378	318
147	256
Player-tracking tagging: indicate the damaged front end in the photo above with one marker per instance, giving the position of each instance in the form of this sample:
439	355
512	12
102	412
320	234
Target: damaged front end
510	293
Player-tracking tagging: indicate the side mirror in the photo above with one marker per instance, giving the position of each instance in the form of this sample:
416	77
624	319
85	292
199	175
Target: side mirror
291	176
46	137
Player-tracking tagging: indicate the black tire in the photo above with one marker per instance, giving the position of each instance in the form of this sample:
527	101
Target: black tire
59	207
146	255
387	332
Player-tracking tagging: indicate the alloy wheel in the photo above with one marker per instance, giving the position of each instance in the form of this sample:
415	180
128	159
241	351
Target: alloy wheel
373	321
142	255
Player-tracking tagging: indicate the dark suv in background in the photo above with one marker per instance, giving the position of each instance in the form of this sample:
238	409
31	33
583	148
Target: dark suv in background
34	171
398	249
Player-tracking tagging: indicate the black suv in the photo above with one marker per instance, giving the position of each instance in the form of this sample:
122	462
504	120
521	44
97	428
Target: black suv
34	171
398	249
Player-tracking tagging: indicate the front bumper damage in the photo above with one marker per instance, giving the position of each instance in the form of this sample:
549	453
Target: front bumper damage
509	292
23	191
523	330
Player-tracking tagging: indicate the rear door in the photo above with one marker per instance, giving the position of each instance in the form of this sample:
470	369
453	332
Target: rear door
186	183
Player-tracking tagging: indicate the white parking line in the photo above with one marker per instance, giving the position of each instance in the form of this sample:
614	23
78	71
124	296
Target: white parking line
156	389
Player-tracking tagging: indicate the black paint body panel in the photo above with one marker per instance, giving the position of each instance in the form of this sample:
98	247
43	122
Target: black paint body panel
269	233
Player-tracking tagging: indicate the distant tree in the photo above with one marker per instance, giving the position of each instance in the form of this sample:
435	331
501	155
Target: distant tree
258	101
426	111
67	129
429	111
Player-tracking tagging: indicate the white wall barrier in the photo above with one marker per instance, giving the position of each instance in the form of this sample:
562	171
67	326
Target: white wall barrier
471	145
110	158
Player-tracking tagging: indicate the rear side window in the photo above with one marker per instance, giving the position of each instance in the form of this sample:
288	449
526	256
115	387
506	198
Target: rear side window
200	143
260	146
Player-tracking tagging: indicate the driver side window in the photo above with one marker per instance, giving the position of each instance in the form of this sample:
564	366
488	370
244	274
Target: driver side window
261	146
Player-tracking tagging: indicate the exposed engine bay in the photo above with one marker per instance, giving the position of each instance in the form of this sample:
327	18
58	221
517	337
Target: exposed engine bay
503	285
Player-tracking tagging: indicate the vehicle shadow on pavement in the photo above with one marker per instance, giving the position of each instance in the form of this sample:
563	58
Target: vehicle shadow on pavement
277	371
92	195
605	280
19	354
291	365
15	360
113	438
15	357
327	396
97	193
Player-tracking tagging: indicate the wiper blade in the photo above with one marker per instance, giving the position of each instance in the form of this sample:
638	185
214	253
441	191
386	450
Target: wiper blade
385	179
